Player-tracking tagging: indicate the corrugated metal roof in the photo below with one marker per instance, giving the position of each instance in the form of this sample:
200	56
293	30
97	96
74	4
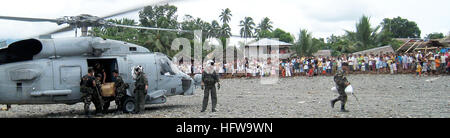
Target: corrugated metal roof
383	49
269	42
322	53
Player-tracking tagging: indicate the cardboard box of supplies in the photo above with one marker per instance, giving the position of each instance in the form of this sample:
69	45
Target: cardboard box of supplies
108	89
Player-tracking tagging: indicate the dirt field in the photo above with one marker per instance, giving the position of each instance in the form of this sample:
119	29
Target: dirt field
380	96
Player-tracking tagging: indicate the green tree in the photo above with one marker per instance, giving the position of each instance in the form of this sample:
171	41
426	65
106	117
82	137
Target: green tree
190	23
365	36
435	35
320	43
160	17
401	28
117	33
225	16
214	29
266	24
225	31
305	45
264	34
340	45
247	25
264	28
282	35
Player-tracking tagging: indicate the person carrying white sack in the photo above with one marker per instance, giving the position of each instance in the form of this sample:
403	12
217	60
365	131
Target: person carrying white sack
341	83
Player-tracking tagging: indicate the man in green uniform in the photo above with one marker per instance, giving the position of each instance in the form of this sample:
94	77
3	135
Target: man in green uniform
120	88
209	80
140	90
87	86
96	97
341	84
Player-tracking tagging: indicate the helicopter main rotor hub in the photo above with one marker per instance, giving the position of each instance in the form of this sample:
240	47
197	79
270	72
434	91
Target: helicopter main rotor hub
83	20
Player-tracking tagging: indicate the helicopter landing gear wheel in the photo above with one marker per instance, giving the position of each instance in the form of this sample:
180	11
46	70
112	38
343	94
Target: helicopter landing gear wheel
129	105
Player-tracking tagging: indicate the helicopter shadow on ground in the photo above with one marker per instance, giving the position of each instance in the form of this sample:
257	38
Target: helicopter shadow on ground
111	112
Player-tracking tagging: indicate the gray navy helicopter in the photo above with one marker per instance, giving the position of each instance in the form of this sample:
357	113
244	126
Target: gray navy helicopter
48	71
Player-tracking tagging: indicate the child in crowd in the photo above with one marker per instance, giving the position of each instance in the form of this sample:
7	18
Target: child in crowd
424	67
419	70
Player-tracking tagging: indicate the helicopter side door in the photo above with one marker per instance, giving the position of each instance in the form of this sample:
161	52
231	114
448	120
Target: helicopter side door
66	76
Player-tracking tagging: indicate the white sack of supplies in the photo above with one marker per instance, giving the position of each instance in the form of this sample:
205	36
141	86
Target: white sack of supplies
348	89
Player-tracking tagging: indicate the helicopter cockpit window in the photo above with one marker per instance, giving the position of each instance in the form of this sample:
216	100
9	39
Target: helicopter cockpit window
167	67
20	51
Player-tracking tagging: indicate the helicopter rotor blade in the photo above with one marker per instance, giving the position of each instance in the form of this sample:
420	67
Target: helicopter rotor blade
26	19
138	8
65	29
150	28
161	29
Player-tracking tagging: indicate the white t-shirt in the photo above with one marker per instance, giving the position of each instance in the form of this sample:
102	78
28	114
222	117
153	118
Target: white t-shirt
443	59
221	70
328	65
405	59
287	66
350	61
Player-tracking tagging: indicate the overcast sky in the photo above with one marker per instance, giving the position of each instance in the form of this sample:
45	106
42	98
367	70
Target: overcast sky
321	17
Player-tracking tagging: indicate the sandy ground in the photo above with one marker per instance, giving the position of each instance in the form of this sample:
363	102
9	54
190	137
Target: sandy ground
380	96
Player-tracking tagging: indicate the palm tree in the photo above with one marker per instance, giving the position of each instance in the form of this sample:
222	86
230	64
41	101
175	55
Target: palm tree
264	28
266	24
214	29
225	31
305	46
225	16
247	26
365	36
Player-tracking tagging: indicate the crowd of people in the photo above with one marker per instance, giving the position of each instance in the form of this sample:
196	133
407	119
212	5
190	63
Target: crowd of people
419	63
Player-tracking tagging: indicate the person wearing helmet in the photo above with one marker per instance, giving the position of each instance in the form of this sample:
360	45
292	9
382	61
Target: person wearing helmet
209	80
341	84
140	89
